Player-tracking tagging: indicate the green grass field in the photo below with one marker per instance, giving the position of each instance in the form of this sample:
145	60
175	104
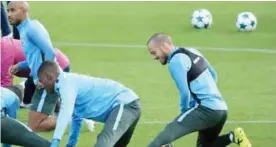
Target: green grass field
83	31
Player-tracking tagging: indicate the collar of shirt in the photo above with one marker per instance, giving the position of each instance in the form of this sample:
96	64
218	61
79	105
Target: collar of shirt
23	23
170	56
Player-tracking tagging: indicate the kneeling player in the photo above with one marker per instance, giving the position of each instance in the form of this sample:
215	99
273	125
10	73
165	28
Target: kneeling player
13	131
98	99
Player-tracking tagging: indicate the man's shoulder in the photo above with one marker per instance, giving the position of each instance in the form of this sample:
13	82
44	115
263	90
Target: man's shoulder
177	58
195	51
7	93
66	77
36	26
35	22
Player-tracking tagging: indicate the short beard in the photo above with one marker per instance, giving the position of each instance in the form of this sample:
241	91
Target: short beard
18	23
166	61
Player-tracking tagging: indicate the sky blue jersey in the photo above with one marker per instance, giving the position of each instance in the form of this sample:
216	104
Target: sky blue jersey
36	44
87	97
204	86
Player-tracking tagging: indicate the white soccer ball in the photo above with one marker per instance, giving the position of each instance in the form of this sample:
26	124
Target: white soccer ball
246	22
201	18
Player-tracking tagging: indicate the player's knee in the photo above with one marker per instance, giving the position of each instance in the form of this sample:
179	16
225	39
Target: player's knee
104	140
35	120
48	124
33	126
165	137
43	126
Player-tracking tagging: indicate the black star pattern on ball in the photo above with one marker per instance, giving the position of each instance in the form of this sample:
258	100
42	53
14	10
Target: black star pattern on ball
206	26
245	15
242	26
252	23
196	27
199	18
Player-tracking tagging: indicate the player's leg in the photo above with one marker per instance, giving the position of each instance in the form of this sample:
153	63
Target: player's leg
28	91
42	107
194	119
237	136
125	139
208	137
16	133
120	123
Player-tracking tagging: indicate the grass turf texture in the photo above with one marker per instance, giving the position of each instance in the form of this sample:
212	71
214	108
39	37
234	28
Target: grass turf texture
245	79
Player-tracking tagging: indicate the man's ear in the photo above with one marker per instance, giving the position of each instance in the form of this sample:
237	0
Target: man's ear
166	45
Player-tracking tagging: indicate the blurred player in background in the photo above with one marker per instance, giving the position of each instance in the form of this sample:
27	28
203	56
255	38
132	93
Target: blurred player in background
12	131
5	29
195	79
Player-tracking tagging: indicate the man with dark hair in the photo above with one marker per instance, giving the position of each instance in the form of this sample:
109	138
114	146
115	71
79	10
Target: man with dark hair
102	100
196	81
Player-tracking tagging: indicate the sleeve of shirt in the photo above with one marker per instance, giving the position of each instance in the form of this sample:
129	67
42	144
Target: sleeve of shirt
75	131
179	66
23	65
7	60
211	70
43	42
68	96
13	106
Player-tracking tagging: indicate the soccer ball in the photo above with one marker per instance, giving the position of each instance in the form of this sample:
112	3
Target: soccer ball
246	22
201	18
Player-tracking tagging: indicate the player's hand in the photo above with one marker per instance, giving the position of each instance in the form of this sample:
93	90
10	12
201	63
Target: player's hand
39	85
13	69
55	143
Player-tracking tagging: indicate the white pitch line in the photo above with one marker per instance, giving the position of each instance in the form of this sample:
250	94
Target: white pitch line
253	50
228	122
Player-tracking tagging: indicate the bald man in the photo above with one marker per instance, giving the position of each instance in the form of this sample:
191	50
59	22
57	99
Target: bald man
196	81
37	47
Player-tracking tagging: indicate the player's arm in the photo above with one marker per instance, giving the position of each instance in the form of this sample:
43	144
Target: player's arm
74	132
68	95
42	41
23	65
179	67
